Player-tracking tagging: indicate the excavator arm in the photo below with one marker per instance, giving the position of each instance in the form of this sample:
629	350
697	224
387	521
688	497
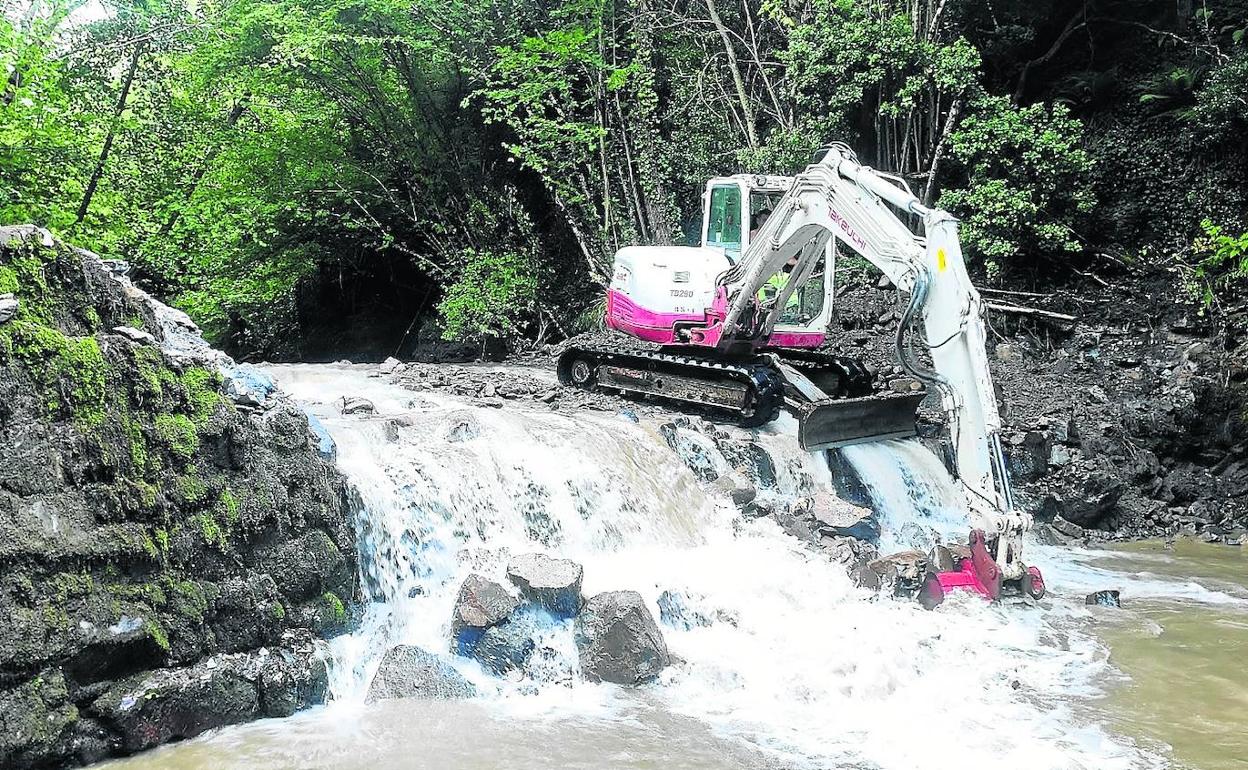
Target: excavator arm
836	197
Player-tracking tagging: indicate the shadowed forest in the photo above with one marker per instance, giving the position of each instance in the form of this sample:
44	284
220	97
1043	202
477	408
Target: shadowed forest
303	176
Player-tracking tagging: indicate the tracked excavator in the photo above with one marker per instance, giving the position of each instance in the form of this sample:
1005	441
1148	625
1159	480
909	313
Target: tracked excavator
737	324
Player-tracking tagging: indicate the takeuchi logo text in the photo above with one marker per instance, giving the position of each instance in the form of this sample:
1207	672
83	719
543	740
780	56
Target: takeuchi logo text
852	235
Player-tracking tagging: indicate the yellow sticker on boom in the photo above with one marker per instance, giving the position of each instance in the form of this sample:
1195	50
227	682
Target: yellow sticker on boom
940	260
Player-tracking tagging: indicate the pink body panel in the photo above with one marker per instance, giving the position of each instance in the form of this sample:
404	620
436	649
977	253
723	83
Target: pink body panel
704	330
631	318
796	339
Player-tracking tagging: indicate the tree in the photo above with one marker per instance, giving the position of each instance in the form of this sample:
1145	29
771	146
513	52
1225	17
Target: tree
1026	182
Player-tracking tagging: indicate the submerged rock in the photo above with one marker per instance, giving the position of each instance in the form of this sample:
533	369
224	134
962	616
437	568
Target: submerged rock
552	584
480	604
410	672
508	646
850	552
675	612
357	405
618	641
904	574
460	426
683	611
836	517
1107	598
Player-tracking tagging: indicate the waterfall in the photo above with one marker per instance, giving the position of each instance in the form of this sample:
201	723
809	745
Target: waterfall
916	501
797	663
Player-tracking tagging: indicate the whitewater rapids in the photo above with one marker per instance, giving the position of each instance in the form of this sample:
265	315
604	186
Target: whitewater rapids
804	670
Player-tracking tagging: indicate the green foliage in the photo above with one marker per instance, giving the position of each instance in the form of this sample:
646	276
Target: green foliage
1223	260
187	597
272	164
138	446
336	608
192	488
158	634
70	371
230	512
490	297
210	529
1026	186
202	392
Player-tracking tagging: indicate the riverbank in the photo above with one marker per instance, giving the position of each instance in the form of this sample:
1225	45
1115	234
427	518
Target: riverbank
173	540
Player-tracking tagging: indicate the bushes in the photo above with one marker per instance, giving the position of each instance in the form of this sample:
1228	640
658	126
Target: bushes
1026	185
492	297
1223	261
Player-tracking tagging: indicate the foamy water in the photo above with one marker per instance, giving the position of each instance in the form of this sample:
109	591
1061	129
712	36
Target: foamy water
803	670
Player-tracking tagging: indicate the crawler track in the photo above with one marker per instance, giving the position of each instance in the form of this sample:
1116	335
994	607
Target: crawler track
751	388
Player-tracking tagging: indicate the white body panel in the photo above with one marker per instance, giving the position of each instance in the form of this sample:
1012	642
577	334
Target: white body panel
669	280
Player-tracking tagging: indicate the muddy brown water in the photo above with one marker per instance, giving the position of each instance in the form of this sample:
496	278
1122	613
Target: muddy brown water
472	735
1187	661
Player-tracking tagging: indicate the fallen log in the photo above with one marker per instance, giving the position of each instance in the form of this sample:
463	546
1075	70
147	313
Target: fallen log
1035	312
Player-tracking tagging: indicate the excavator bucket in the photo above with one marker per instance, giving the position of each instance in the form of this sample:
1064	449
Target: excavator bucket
837	422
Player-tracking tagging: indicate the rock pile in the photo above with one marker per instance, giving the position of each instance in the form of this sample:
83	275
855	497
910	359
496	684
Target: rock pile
616	637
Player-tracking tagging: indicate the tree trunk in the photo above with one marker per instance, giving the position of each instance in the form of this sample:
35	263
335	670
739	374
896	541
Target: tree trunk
747	111
658	204
98	171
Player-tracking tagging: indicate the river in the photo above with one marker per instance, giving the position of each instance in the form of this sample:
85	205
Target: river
805	671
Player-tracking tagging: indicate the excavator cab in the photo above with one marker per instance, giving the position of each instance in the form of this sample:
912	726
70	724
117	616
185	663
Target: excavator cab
734	209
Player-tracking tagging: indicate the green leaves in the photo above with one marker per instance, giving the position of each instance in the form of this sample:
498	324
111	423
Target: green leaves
1027	184
491	297
1223	259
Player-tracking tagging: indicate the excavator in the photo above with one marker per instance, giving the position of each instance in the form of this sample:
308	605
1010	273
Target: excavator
737	323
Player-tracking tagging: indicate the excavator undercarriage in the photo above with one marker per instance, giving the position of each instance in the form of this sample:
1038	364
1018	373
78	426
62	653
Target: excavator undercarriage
831	396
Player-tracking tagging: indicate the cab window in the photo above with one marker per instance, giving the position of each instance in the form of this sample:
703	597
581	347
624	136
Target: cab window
762	204
724	226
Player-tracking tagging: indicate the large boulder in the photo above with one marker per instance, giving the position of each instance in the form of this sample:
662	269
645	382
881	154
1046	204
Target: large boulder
508	646
618	641
410	672
481	603
553	584
170	704
835	517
